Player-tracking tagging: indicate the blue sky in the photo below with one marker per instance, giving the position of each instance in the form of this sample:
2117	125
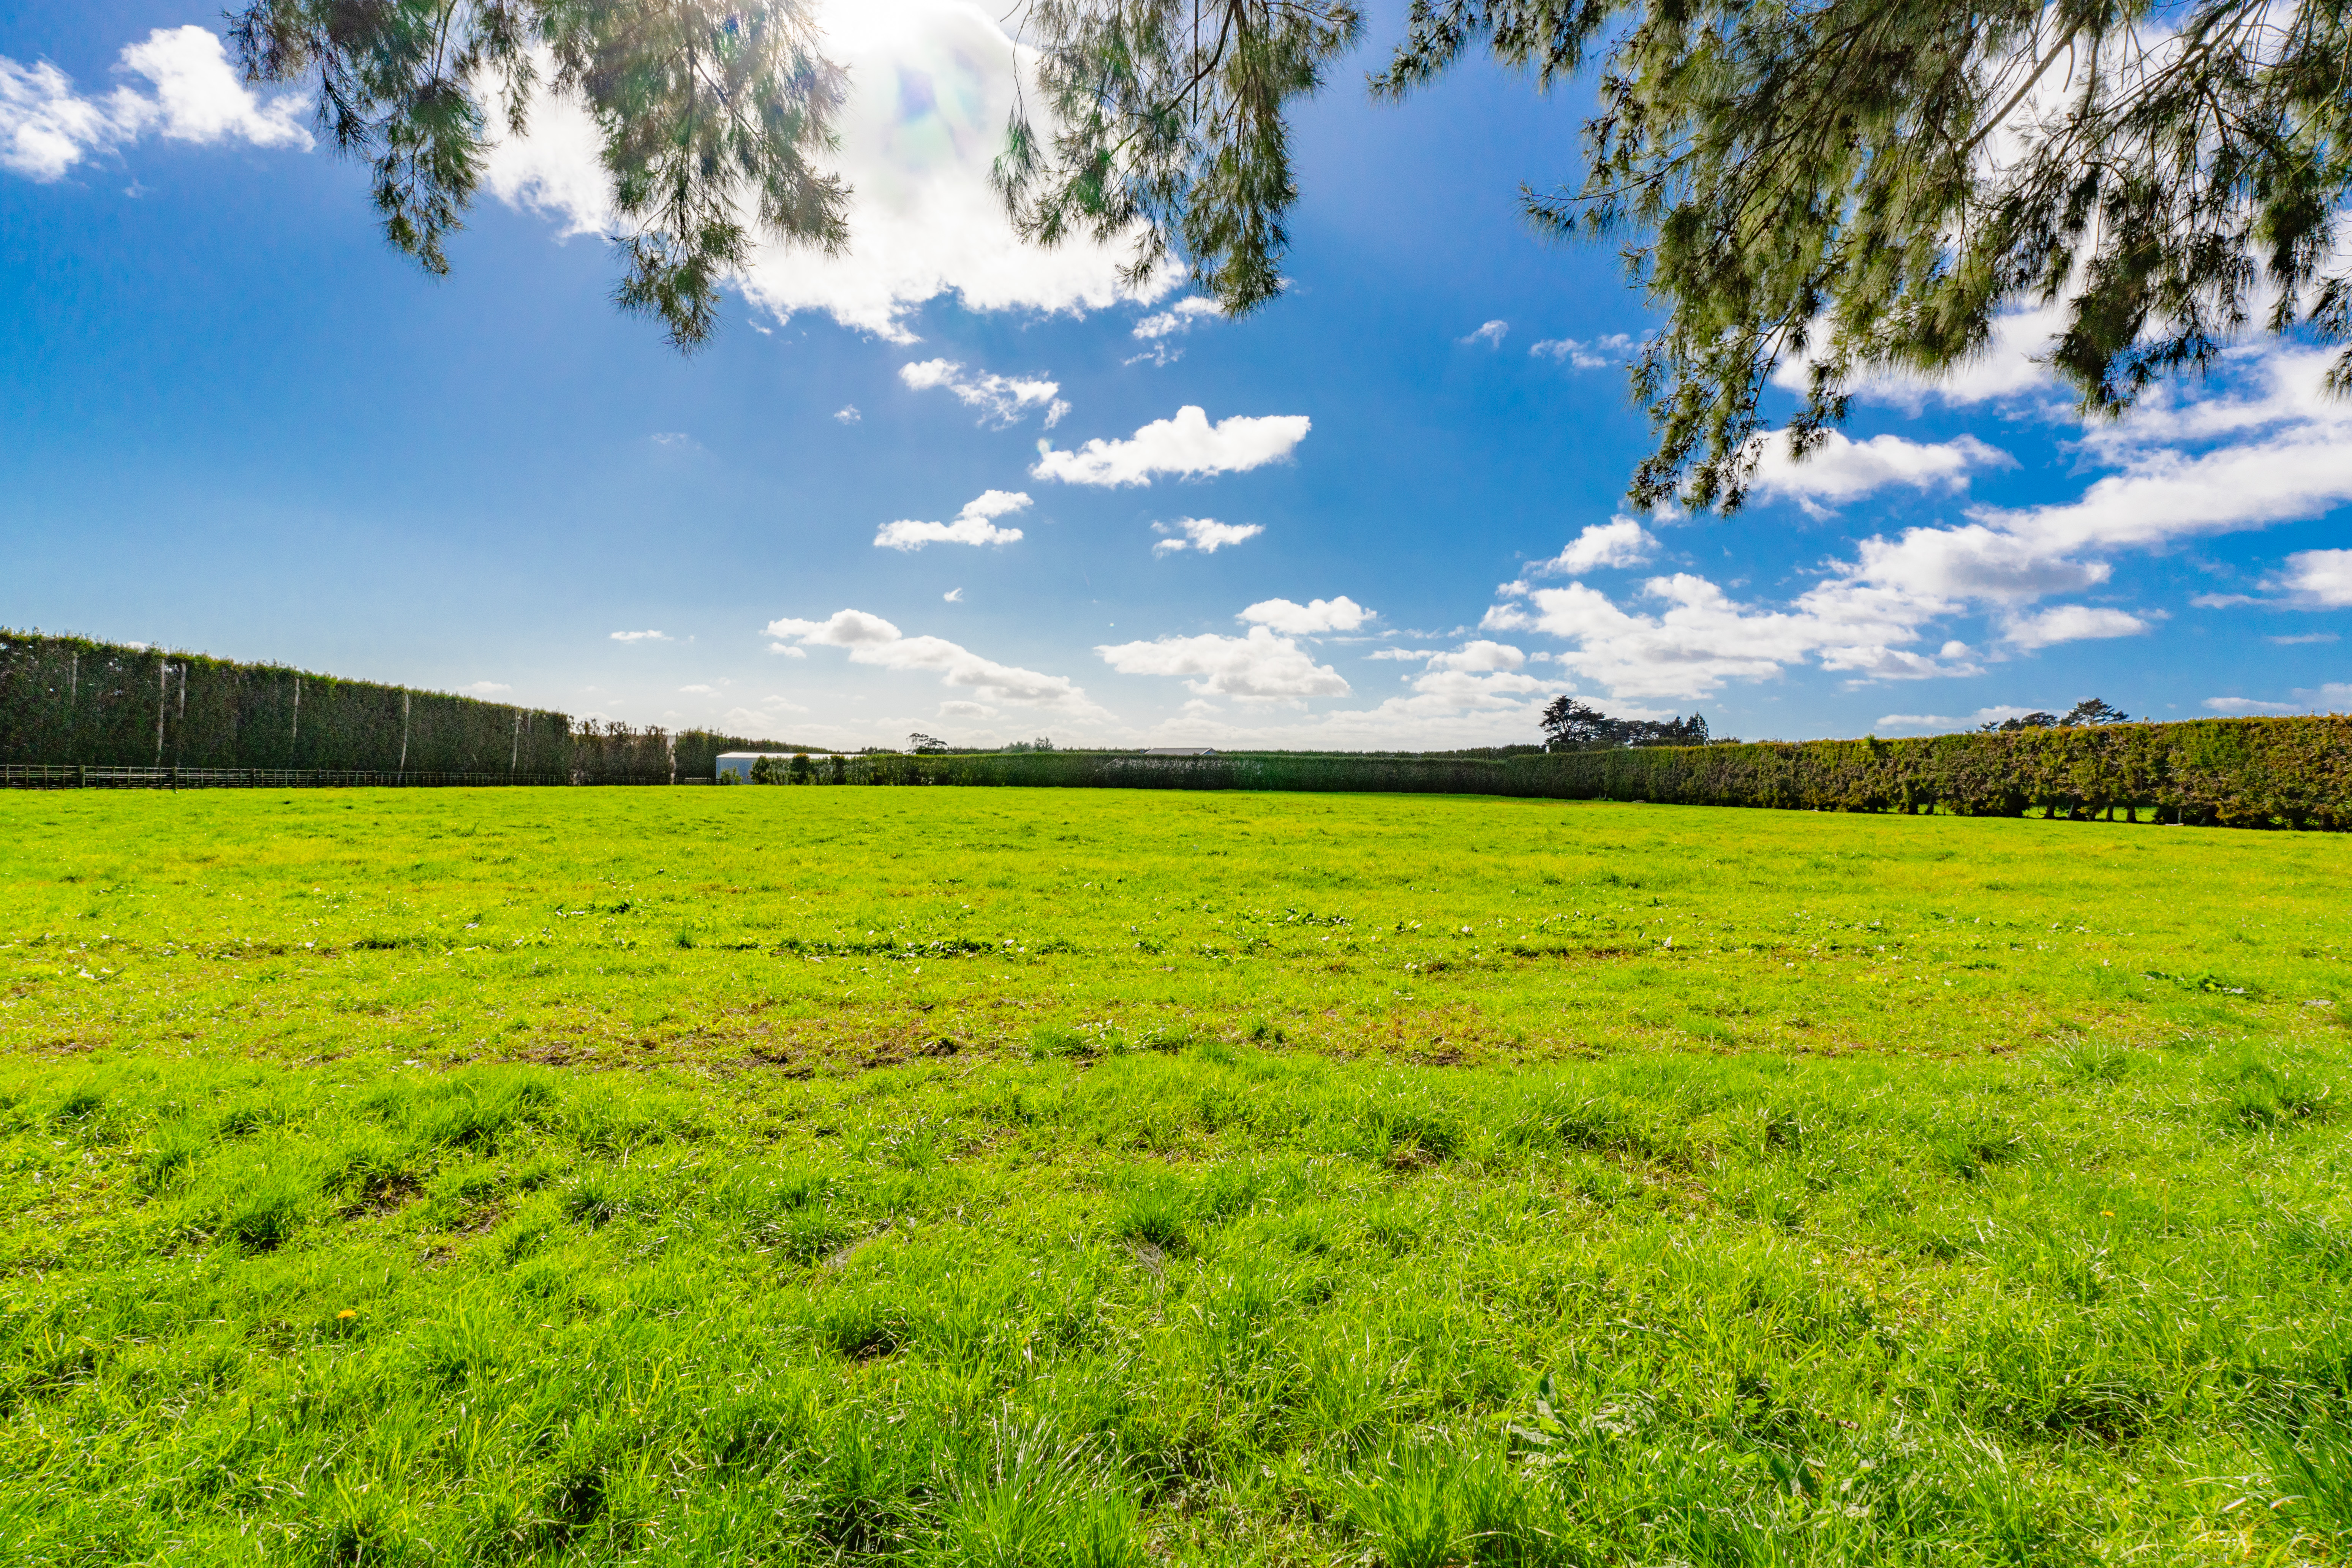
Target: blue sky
1383	513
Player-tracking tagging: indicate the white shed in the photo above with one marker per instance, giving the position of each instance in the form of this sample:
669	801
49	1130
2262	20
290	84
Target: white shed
1180	752
739	762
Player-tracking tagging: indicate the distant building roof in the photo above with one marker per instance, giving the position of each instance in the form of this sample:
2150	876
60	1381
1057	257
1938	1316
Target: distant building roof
1180	752
725	756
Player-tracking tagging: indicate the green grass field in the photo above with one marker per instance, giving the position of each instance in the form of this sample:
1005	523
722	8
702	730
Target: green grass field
1043	1178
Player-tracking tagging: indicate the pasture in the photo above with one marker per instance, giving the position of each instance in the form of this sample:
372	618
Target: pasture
1004	1176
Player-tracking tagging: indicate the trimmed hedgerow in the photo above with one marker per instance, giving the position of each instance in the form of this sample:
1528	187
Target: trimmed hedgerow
2235	772
1432	775
71	700
2232	772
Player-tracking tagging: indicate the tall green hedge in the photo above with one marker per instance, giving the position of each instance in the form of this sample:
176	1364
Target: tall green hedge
2234	772
1115	770
2237	773
71	700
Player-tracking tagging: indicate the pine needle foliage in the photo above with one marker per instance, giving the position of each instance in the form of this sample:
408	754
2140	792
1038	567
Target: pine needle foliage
1166	129
1861	185
711	115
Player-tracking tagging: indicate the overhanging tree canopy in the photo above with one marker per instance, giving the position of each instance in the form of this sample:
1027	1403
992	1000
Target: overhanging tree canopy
711	114
1864	184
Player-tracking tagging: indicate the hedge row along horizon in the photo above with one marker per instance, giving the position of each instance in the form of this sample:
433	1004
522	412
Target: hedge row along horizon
2235	772
67	702
75	702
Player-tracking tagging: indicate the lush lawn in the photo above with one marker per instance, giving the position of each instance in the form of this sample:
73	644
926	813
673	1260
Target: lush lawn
1038	1177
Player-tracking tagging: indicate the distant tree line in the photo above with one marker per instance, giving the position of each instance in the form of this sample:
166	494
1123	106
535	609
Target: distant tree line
1569	725
2090	710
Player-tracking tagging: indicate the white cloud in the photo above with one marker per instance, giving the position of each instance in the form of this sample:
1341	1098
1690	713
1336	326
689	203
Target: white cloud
1620	541
1000	399
2267	449
1177	319
2273	454
1260	667
1863	619
1203	534
971	525
1340	615
1971	562
1480	658
2166	493
2188	463
2243	705
1842	469
1405	655
2335	697
931	83
953	596
1940	723
956	708
200	97
1703	639
1476	694
2072	623
485	688
848	414
2013	364
1596	354
1491	334
2322	577
871	640
1187	445
46	128
762	718
2301	638
1478	675
642	636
